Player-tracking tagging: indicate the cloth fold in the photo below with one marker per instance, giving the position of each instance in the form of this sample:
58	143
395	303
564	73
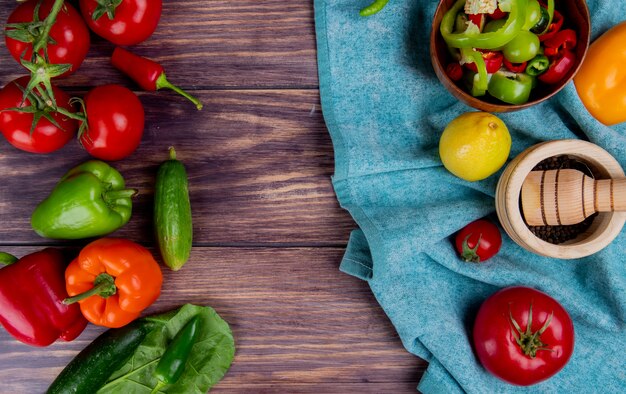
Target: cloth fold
385	110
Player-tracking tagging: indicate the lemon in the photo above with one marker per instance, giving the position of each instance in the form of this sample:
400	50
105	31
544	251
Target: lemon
475	145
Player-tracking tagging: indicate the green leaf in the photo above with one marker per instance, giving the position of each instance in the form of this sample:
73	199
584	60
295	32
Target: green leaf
209	360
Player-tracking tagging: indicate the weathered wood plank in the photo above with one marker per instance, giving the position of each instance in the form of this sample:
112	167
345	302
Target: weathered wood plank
299	325
208	44
259	165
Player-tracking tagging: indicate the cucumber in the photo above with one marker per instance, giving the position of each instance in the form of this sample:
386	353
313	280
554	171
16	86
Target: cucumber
172	213
93	366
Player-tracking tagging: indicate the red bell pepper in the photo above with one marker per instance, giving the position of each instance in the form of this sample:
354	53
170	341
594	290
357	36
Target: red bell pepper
493	62
149	74
515	67
564	39
498	14
454	71
559	66
32	291
555	26
478	19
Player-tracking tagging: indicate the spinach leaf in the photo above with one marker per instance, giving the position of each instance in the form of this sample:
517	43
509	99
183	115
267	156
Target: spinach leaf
209	360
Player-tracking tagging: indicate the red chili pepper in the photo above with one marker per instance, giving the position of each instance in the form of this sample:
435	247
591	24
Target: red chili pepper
515	67
498	14
555	26
564	39
493	62
454	71
149	74
559	66
32	291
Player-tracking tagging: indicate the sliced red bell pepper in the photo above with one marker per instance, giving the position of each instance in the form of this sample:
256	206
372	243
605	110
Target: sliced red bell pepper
498	14
515	67
564	39
32	291
454	71
478	19
555	26
493	62
559	67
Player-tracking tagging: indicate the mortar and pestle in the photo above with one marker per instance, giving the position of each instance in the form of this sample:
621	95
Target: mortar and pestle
528	197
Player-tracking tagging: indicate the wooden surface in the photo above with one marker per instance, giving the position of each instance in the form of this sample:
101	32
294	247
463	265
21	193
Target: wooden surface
268	231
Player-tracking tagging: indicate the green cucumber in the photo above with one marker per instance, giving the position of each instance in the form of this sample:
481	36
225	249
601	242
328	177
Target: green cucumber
93	366
172	213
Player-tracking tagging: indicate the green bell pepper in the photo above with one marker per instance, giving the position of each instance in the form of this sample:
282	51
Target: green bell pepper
479	81
512	88
473	38
90	200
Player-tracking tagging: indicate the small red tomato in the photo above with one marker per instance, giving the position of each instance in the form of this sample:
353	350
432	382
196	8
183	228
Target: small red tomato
478	241
115	121
16	126
523	336
129	23
69	34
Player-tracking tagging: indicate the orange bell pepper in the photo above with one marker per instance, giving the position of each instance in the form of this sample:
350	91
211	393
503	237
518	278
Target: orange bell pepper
601	80
113	280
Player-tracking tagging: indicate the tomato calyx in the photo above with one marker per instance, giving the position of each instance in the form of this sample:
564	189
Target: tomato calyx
40	107
468	254
37	32
28	32
528	341
107	7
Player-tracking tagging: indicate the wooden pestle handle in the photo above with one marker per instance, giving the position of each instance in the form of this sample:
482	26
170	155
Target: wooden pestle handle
567	196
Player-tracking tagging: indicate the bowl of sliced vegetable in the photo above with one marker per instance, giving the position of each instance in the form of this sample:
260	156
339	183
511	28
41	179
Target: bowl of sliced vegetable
506	55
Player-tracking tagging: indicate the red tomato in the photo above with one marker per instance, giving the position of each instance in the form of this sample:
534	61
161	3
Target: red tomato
478	241
134	21
515	315
70	35
115	120
16	126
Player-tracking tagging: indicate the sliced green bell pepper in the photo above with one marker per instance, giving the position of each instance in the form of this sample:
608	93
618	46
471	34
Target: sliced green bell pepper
512	88
473	38
479	81
90	200
538	65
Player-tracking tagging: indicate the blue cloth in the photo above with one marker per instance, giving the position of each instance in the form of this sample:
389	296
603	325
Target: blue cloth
385	110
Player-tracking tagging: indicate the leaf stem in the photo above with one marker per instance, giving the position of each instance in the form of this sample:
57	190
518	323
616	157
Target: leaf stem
130	373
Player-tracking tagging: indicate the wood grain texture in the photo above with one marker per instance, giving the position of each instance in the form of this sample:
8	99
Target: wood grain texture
299	325
203	44
259	165
268	231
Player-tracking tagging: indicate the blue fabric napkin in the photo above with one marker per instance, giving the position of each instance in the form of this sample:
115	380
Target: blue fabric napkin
385	110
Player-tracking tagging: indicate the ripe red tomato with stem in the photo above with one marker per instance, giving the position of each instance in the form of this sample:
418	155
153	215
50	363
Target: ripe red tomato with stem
69	35
123	22
36	127
523	336
111	122
478	241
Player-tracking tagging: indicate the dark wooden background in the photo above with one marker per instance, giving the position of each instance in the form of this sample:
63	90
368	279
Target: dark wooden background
268	231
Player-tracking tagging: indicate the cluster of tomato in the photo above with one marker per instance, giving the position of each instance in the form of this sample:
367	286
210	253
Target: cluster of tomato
37	116
540	50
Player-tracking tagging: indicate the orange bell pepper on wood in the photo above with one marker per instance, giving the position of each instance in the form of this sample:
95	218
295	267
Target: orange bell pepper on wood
601	80
113	280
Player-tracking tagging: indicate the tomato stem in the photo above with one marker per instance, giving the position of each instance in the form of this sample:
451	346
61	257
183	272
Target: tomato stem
471	254
528	341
